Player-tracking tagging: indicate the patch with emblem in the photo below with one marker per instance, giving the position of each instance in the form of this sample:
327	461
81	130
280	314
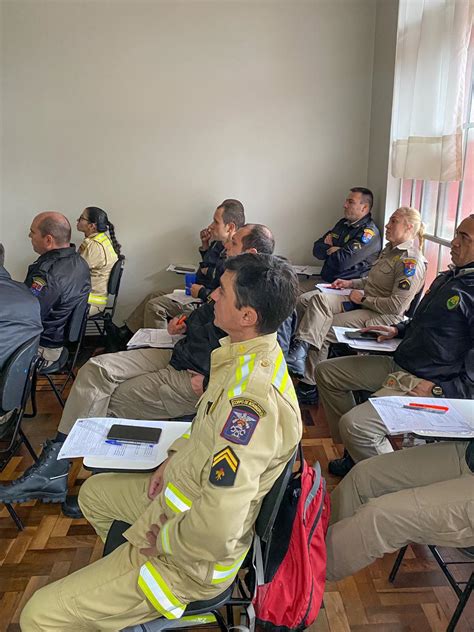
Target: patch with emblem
367	235
334	235
224	468
404	284
357	245
346	238
409	267
453	302
37	285
242	421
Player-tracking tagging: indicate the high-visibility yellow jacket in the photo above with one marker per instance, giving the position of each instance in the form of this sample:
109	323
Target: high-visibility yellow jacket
100	255
247	427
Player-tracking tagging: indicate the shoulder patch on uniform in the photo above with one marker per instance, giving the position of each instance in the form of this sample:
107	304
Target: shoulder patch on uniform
367	235
357	245
404	284
334	235
409	266
346	238
453	301
224	468
38	284
242	420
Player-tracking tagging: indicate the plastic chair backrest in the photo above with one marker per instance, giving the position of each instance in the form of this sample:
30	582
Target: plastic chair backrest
14	375
272	501
115	277
77	321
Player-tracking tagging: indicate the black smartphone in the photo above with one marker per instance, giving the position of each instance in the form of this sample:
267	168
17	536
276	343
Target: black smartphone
134	434
363	335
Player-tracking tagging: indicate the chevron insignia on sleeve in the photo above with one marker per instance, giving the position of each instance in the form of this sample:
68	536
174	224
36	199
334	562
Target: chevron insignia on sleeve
225	464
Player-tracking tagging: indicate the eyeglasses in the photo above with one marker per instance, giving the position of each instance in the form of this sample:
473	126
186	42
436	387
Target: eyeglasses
86	219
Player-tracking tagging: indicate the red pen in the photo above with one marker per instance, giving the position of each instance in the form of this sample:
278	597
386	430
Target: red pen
181	319
428	408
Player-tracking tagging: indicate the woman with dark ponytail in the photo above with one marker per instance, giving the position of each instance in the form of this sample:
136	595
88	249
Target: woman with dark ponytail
100	250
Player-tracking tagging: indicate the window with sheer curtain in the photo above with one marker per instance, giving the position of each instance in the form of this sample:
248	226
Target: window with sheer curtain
443	201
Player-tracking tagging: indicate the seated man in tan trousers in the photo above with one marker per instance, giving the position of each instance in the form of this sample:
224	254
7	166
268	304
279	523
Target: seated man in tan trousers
394	280
156	309
423	495
193	519
136	384
434	359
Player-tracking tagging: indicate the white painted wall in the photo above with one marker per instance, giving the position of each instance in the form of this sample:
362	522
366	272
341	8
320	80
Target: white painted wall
156	111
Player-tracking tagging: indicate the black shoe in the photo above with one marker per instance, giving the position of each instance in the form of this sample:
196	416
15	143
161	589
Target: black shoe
45	480
70	507
307	394
469	551
296	359
116	337
340	467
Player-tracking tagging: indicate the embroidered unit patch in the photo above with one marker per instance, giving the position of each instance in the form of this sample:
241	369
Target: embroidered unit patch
367	235
409	267
453	302
37	285
224	468
242	420
404	284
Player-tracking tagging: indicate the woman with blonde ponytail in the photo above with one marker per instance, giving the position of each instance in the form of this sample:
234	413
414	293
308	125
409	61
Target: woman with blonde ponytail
100	250
382	298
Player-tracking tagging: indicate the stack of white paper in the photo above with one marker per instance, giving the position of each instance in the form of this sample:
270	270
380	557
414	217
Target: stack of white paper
180	296
456	422
327	289
365	345
157	338
182	268
308	270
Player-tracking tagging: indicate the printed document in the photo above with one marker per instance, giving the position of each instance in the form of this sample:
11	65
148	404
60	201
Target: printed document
180	296
457	422
326	289
365	345
308	270
158	338
88	439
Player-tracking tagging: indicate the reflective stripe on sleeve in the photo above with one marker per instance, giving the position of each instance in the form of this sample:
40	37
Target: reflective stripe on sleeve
103	238
281	379
97	299
165	538
176	500
242	374
158	593
186	435
223	573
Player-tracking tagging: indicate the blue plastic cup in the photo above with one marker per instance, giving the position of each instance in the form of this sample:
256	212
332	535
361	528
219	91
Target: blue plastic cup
189	279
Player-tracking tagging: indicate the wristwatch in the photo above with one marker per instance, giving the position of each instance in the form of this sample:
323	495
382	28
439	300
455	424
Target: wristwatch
363	299
437	391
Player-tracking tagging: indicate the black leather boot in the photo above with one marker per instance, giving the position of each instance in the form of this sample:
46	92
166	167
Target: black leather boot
296	359
340	467
45	480
307	394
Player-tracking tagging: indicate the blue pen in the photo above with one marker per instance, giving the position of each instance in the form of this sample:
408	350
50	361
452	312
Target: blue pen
120	443
112	442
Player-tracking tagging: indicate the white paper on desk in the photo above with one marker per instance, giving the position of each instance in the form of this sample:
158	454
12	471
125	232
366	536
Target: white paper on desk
308	270
180	296
87	439
157	338
398	419
365	345
325	287
183	268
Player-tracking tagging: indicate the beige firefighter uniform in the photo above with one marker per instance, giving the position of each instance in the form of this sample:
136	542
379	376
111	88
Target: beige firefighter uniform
153	311
247	427
100	255
360	428
137	384
423	495
394	280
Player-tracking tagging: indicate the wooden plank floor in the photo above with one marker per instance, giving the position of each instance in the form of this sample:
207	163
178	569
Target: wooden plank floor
53	546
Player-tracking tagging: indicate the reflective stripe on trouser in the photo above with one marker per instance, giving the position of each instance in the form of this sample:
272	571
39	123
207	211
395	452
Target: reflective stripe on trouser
242	374
176	500
158	593
223	573
97	299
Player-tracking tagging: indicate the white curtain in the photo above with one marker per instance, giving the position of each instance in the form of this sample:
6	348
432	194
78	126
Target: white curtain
429	91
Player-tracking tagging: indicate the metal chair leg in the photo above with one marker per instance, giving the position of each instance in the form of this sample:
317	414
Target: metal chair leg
15	516
396	566
461	605
28	445
55	391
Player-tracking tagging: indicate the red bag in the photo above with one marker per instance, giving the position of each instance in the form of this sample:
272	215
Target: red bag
289	592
